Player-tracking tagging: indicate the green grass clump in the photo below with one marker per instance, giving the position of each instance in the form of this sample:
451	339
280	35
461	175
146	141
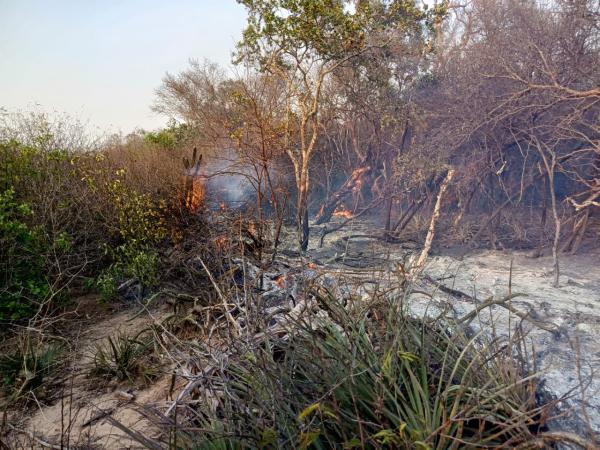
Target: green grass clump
124	358
28	367
367	378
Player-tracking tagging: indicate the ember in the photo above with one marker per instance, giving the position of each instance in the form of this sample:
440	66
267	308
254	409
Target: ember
252	228
222	242
280	281
341	211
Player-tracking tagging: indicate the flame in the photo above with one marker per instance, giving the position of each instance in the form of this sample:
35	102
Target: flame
356	180
195	197
341	211
222	206
280	281
252	228
312	265
222	242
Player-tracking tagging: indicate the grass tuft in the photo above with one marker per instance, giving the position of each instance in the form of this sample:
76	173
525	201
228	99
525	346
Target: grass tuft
125	358
369	378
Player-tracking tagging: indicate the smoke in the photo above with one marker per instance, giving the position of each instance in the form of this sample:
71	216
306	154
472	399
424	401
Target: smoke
226	179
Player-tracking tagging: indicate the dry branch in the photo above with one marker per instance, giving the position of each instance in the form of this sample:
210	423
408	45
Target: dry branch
353	183
418	266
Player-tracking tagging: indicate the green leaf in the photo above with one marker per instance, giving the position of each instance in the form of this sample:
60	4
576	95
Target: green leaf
308	411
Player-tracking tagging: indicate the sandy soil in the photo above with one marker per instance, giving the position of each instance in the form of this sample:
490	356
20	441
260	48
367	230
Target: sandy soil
70	421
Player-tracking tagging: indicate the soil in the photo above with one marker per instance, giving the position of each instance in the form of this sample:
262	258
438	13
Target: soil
566	358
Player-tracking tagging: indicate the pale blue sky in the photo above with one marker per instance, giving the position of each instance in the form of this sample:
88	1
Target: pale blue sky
101	60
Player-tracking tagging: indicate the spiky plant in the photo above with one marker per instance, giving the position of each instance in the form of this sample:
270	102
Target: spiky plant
124	358
351	380
28	366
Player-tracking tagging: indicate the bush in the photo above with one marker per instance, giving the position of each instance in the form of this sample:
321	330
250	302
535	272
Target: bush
124	358
141	228
82	209
23	284
350	380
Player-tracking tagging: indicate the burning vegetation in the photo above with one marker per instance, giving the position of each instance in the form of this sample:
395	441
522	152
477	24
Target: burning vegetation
463	125
341	211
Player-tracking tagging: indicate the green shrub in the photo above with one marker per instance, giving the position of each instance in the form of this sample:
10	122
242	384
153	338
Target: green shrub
351	380
125	358
169	138
28	366
74	210
106	285
141	228
23	284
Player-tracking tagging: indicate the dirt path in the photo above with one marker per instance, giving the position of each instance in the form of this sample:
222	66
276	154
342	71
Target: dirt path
79	418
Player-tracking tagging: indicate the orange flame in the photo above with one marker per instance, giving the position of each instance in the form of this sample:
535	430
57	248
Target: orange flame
341	211
280	281
222	242
356	180
252	228
194	199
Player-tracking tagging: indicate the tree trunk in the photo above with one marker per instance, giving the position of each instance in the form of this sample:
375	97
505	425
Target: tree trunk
388	214
302	209
557	224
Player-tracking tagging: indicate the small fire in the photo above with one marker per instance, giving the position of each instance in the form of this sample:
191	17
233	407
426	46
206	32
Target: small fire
252	228
222	206
280	281
222	242
341	211
195	197
312	265
356	180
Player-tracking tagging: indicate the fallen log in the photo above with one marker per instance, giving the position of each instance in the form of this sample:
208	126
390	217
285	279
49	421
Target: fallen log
352	185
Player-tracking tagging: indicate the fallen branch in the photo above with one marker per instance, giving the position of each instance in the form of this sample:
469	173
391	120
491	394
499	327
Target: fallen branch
103	413
468	318
136	435
559	436
236	326
418	266
325	231
277	328
351	185
454	292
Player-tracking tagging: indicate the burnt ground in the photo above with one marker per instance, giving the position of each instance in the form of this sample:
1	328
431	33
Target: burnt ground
562	332
562	328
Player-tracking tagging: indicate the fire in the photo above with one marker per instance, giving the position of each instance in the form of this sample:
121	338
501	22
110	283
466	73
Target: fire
252	228
341	211
356	180
222	242
280	281
222	206
195	197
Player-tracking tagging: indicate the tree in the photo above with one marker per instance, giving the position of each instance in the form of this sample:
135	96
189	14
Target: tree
515	101
304	42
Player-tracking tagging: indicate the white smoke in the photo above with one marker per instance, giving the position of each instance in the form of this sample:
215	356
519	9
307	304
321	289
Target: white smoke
226	179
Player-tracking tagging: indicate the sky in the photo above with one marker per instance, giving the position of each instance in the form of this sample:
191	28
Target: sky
101	60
